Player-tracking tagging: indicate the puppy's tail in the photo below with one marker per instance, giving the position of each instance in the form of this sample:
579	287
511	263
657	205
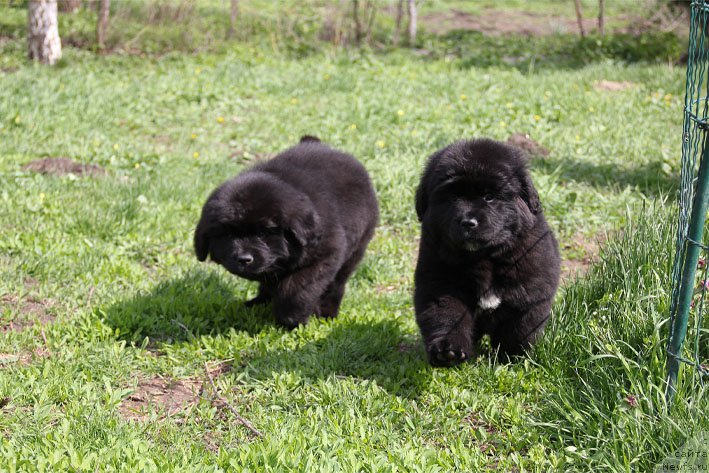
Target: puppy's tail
309	139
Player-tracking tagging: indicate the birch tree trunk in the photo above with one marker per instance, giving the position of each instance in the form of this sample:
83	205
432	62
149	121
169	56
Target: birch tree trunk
43	42
102	23
412	22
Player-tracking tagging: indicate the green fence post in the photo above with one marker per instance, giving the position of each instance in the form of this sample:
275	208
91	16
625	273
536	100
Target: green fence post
689	271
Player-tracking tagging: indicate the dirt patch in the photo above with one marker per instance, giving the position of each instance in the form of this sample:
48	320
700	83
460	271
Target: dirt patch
612	86
171	396
527	144
494	22
477	422
587	248
63	166
168	396
28	312
22	358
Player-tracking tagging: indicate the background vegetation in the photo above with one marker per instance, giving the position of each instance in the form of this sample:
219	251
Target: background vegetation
112	332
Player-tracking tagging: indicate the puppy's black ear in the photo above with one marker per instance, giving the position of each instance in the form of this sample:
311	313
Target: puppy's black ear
305	226
421	200
309	139
529	193
426	182
201	240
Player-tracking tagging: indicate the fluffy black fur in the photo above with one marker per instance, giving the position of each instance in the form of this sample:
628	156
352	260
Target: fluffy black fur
298	224
488	262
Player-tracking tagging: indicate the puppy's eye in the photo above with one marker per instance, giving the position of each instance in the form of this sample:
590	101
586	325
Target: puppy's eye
489	197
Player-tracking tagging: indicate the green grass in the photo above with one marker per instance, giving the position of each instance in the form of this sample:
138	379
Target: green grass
110	259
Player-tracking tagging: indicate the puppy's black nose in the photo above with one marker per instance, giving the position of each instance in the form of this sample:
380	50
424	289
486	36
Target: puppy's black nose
469	223
245	259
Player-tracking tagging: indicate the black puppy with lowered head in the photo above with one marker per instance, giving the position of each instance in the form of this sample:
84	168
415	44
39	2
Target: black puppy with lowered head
298	224
488	262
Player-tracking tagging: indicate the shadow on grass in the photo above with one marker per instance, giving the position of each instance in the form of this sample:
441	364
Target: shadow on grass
199	303
376	351
180	309
650	179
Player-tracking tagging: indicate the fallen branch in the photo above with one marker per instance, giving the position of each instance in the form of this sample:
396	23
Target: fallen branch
226	404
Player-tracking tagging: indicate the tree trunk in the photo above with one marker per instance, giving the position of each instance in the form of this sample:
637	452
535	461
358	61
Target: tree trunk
579	18
233	15
399	17
412	22
69	6
102	23
357	22
601	17
43	42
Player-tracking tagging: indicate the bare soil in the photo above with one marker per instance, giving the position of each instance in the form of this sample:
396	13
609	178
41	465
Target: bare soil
171	396
613	86
527	144
28	312
63	166
495	22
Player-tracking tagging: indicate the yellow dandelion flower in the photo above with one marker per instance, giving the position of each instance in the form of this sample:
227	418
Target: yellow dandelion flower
136	165
198	70
463	96
591	109
353	126
503	124
381	144
537	118
578	137
220	119
195	155
193	136
294	101
41	196
116	146
17	119
326	76
400	113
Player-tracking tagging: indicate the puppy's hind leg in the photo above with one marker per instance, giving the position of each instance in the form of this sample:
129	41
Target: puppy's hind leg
332	297
298	295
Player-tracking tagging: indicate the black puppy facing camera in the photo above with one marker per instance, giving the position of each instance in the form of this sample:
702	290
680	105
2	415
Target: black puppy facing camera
488	262
298	224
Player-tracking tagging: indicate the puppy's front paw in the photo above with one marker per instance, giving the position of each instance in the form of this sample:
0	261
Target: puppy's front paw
291	321
260	299
449	351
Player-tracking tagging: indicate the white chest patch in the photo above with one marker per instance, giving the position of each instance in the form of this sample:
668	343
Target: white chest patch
489	301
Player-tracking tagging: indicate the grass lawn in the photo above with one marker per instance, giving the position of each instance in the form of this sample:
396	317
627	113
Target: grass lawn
112	332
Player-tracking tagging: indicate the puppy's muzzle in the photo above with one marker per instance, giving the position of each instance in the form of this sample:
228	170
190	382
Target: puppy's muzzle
244	259
469	223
